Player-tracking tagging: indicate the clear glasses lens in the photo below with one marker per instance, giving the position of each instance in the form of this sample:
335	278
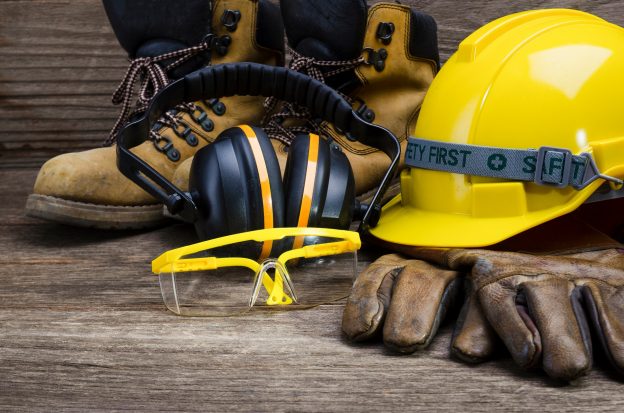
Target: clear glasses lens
220	292
235	290
323	280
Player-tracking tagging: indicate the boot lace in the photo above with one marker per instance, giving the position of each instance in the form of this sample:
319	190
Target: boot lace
274	121
153	78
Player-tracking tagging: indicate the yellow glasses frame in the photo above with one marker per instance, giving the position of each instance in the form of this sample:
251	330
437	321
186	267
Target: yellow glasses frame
172	261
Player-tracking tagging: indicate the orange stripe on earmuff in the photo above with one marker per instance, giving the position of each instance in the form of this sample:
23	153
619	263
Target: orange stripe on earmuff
308	187
265	185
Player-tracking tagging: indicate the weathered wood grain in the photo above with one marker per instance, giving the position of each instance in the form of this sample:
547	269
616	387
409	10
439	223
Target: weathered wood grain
82	326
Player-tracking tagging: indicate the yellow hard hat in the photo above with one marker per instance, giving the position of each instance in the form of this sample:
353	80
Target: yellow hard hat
523	124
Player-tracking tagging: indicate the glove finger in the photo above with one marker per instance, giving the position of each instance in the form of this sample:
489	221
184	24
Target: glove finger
566	349
370	296
512	323
605	307
420	299
473	340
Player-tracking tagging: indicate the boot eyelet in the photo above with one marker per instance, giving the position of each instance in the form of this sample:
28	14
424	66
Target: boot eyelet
385	32
225	40
376	58
380	62
230	19
168	149
217	107
202	119
192	140
186	130
207	125
187	134
222	44
173	154
364	111
164	148
202	116
219	44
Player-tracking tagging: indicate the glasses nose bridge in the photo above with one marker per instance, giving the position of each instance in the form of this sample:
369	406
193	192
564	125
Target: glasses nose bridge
274	285
268	264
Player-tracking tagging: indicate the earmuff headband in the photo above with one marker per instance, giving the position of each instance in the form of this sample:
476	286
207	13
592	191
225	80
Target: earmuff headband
255	80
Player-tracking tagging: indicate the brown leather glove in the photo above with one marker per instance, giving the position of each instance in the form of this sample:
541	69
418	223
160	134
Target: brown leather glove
540	306
406	299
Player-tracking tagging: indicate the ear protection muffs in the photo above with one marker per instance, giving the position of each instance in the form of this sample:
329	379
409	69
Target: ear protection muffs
235	183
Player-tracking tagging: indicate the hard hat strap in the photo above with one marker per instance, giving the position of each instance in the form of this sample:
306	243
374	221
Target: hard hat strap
545	166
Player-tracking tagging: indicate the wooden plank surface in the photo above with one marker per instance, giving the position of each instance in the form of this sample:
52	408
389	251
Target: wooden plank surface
82	326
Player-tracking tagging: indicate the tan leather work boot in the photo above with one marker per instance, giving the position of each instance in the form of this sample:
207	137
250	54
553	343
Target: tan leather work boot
401	53
86	188
382	59
325	38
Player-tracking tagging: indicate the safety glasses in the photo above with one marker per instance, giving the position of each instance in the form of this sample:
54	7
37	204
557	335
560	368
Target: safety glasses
271	268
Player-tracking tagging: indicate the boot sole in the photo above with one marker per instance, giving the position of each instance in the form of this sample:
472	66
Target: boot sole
87	215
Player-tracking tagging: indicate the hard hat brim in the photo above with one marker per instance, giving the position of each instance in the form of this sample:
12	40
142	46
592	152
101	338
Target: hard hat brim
405	225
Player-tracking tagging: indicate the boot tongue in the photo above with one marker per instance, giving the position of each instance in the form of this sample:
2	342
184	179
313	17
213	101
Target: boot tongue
325	29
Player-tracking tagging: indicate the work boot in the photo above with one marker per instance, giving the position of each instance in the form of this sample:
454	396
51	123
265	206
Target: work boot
401	59
383	67
325	41
164	41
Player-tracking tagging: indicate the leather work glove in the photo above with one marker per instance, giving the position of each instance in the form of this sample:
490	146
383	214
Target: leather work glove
541	307
406	299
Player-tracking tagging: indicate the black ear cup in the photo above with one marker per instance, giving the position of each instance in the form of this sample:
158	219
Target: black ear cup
236	184
319	185
305	179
